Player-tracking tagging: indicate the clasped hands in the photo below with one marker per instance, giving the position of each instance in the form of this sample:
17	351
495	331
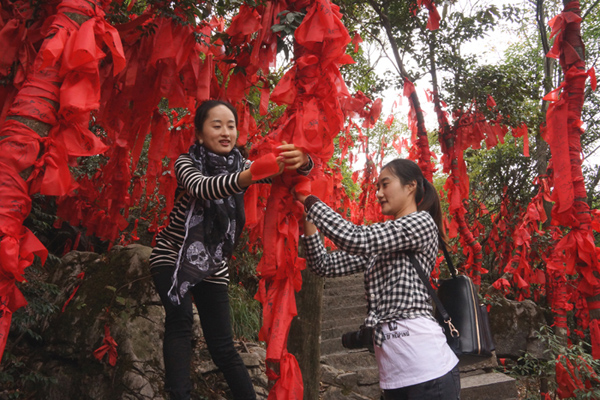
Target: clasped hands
290	157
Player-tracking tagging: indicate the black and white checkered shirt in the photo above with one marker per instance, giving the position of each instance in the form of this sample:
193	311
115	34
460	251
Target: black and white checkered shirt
393	288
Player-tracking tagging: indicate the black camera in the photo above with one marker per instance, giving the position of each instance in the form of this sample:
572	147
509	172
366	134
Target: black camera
359	339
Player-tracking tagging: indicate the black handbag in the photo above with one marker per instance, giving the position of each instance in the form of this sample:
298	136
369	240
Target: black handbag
458	311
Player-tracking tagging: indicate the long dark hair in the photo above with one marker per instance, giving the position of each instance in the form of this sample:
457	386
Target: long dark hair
426	195
202	114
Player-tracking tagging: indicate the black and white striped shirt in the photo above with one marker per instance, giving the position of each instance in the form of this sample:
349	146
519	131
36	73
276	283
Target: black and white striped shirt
393	288
193	184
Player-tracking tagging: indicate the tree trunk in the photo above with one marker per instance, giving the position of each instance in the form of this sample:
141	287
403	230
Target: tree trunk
571	209
305	333
422	144
542	151
447	134
26	150
574	92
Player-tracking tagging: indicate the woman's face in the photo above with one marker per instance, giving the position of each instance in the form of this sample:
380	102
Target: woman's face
395	198
219	131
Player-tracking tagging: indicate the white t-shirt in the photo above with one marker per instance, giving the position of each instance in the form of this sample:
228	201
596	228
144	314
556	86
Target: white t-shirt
414	351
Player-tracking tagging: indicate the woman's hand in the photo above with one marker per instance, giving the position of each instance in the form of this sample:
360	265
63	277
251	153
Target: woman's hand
291	156
309	228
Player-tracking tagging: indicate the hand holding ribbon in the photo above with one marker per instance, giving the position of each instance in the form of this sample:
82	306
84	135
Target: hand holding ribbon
291	156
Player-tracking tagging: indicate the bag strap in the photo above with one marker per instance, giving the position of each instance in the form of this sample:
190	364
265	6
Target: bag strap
447	255
440	307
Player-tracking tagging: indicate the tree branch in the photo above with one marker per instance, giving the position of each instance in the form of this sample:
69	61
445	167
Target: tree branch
388	30
593	184
590	9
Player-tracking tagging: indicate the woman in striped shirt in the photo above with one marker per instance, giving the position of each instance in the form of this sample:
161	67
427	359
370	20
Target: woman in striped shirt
414	359
192	251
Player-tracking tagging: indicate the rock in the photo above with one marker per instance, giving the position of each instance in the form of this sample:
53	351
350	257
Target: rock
492	386
206	367
250	359
117	292
513	327
261	352
336	393
347	379
328	374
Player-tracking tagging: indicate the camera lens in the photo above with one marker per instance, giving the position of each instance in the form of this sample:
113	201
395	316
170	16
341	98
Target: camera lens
351	340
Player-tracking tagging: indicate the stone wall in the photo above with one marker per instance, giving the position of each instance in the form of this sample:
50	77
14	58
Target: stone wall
117	291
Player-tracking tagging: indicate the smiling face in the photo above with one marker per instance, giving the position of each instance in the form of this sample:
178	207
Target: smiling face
396	199
219	131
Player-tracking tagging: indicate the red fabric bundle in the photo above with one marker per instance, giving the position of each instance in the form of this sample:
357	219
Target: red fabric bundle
433	23
313	89
18	245
109	345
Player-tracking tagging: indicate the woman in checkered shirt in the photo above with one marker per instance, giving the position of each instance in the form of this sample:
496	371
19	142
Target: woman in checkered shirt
414	359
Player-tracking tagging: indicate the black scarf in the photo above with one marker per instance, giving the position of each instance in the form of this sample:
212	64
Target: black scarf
212	227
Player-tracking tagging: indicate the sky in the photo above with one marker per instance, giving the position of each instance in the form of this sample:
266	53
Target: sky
491	48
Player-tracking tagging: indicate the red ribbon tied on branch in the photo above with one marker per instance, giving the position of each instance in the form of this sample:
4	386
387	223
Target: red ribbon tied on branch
433	23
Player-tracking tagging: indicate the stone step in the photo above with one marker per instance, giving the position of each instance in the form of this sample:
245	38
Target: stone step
490	386
359	384
338	331
355	321
330	346
345	290
344	281
354	310
365	381
344	300
350	360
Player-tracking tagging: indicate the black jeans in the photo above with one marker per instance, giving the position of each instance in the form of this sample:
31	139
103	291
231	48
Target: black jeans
446	387
212	302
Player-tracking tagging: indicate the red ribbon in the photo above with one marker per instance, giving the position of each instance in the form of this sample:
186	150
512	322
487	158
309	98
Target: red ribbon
264	167
109	346
80	276
433	23
289	384
595	338
5	318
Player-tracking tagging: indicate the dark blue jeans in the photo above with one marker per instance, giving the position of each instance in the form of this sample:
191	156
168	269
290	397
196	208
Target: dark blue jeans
212	302
446	387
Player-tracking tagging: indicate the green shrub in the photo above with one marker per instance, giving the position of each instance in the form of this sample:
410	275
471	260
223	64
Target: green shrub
245	313
575	357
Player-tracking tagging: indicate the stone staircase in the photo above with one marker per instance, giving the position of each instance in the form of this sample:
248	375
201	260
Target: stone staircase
355	371
353	374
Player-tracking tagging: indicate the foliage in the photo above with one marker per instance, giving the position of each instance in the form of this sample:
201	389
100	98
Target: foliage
362	76
28	321
245	313
288	22
17	380
584	367
503	166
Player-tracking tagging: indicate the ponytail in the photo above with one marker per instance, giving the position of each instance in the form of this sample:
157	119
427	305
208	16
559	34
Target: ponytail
426	195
